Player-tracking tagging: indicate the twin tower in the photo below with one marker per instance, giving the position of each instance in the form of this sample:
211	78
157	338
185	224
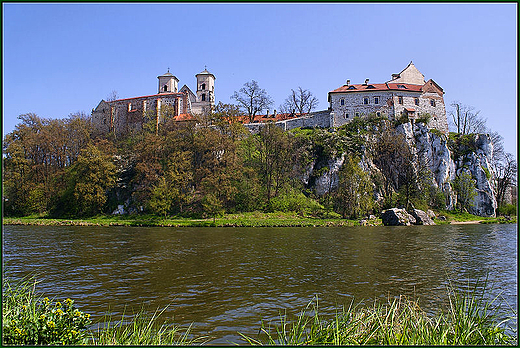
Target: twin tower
205	94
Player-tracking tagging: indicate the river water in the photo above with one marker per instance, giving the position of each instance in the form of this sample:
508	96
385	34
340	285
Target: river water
227	280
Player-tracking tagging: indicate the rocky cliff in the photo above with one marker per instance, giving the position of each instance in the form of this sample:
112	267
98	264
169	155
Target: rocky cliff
432	148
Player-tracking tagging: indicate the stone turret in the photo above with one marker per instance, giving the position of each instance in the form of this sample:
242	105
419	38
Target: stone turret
168	83
205	92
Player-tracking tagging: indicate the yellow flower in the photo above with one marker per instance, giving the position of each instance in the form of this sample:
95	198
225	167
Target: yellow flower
24	307
58	304
51	324
68	302
59	311
42	316
46	300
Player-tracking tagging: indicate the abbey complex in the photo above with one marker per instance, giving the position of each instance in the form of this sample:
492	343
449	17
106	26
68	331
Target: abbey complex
407	93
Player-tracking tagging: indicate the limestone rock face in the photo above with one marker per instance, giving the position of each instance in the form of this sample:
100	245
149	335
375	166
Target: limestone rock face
478	164
329	180
421	218
431	149
397	217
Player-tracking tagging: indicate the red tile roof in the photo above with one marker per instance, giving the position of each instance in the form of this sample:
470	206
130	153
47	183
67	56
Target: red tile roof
378	87
185	117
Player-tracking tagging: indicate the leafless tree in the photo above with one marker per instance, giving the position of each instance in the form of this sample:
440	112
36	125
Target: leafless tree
466	119
498	147
112	96
505	176
301	101
252	99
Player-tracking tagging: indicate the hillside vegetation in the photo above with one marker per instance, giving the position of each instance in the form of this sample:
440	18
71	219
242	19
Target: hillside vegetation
62	169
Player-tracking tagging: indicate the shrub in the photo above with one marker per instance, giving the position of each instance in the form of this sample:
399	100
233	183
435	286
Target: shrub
29	320
507	209
436	132
296	202
425	118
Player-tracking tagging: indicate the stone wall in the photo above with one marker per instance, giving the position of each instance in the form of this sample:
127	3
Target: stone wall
318	119
388	105
124	115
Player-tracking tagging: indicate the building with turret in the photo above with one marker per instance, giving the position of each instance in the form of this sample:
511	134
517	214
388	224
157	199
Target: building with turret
124	115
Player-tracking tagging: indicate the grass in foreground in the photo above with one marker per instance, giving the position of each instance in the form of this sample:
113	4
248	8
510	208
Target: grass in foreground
469	320
27	319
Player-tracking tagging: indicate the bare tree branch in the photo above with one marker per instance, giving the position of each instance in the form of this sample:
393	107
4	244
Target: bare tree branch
300	101
252	99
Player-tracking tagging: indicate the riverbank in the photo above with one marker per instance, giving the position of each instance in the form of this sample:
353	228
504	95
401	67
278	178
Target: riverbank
252	219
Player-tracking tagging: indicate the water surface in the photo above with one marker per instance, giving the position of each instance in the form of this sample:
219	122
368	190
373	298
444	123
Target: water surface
225	280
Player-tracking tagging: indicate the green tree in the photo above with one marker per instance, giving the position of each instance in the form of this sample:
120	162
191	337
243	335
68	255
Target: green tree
273	158
355	190
162	199
212	205
93	174
464	187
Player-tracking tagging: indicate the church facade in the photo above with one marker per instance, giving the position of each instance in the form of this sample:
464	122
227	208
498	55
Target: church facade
124	115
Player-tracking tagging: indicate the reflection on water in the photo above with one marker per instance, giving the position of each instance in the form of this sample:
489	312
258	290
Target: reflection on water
225	280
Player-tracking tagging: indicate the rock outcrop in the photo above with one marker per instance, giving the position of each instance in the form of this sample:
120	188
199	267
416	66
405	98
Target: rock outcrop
421	218
397	217
431	148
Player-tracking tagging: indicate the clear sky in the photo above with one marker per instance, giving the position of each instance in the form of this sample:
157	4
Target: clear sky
62	58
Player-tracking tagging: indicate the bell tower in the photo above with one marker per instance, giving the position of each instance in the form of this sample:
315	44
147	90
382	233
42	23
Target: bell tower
206	88
168	83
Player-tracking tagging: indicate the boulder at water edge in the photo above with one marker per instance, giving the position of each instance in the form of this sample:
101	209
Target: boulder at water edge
397	217
421	218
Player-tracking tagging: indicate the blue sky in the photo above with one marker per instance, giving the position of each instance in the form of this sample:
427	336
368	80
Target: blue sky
63	58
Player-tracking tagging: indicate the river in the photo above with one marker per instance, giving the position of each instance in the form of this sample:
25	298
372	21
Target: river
227	280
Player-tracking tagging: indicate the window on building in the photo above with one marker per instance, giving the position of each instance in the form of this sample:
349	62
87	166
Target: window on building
432	102
416	101
203	87
401	86
378	114
346	116
351	87
342	101
400	100
376	100
365	101
165	88
203	97
370	87
357	114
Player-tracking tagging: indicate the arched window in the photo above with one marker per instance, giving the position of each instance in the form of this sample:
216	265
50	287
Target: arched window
342	102
203	97
203	87
165	88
